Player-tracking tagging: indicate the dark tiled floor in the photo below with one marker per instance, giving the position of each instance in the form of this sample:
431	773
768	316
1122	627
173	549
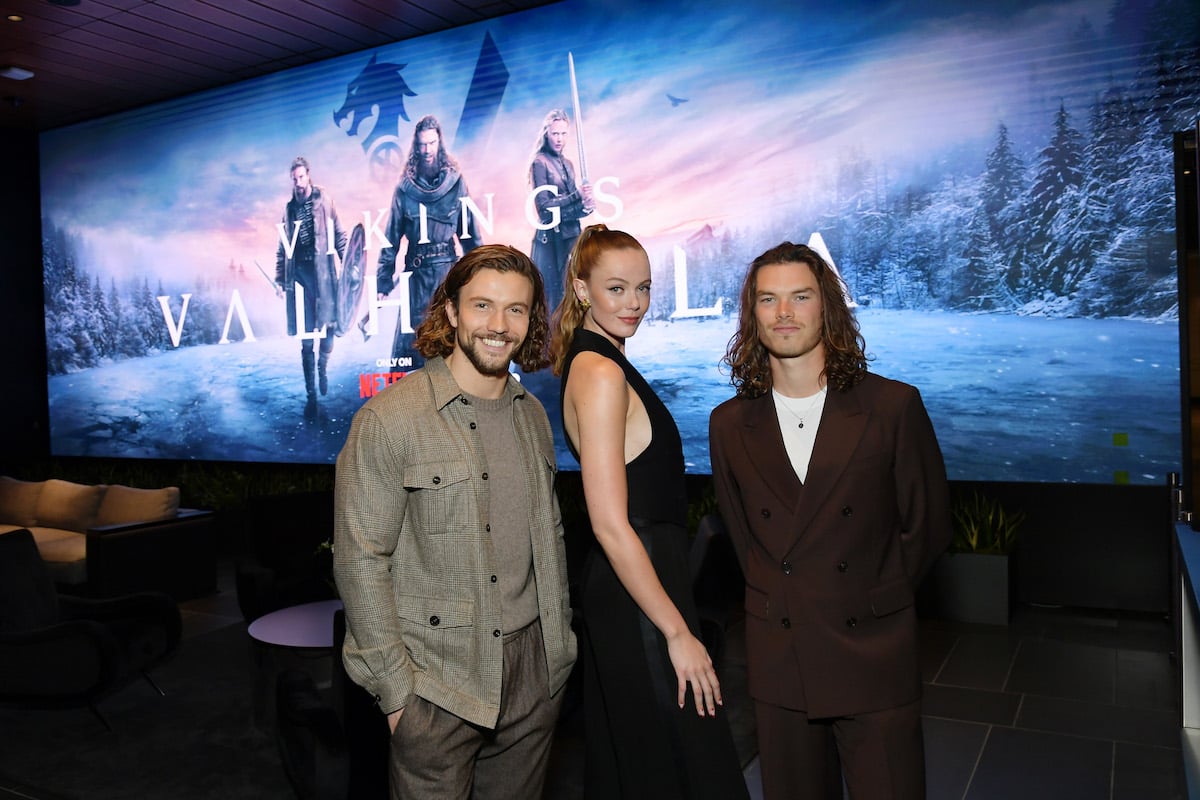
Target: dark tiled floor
1061	704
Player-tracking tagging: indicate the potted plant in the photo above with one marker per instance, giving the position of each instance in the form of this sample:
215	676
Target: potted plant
970	581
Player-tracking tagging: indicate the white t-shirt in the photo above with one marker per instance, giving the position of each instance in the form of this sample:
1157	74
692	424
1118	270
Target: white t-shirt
799	418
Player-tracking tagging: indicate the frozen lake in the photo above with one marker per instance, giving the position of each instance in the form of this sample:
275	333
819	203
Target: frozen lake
1012	398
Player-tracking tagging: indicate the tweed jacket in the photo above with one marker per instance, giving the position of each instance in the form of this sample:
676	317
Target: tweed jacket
832	565
413	559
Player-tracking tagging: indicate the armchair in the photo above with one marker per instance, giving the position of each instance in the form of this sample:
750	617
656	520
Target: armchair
59	651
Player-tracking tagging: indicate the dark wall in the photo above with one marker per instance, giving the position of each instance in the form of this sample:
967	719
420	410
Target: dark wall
1090	545
23	432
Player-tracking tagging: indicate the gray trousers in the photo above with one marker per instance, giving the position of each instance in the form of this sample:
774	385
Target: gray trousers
436	755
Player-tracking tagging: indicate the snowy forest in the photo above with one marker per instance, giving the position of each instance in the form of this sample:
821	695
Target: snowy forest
1082	225
88	323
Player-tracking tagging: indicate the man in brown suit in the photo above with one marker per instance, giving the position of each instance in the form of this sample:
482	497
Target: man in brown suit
833	488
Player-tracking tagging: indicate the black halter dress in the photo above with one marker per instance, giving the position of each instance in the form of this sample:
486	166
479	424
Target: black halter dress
640	744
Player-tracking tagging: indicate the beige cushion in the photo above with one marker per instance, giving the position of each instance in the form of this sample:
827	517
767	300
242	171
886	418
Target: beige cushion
65	553
126	504
67	545
18	501
72	506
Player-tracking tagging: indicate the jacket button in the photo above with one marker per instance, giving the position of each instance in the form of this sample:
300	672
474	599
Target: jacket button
851	623
787	568
485	476
487	528
843	566
435	620
847	511
493	579
496	633
473	426
436	480
766	513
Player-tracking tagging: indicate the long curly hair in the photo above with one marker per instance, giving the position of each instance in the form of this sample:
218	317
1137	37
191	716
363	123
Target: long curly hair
845	357
595	241
444	159
435	335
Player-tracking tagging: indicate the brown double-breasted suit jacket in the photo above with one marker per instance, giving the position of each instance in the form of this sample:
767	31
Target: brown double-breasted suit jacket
832	565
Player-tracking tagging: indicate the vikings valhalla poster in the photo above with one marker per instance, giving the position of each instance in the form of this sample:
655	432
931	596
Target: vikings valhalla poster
230	275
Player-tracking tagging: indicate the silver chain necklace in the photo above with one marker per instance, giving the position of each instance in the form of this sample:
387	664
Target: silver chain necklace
786	403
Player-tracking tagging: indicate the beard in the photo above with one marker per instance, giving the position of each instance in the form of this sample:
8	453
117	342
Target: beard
484	363
429	169
783	350
794	346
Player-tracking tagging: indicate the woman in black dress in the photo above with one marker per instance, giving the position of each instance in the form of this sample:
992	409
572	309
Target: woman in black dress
651	695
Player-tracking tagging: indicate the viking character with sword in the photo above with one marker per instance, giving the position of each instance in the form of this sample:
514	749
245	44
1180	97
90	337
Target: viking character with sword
562	196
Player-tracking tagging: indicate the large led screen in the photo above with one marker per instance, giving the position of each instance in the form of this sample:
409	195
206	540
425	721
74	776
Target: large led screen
992	180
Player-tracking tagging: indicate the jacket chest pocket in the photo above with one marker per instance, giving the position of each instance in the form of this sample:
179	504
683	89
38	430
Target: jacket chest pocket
439	495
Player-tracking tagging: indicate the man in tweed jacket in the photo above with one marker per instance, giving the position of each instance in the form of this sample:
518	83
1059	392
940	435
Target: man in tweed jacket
448	545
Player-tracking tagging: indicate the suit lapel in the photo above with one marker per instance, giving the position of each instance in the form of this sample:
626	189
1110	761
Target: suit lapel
765	450
842	424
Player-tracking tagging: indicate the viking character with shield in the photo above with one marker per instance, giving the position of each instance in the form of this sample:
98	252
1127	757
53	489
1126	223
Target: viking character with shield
311	244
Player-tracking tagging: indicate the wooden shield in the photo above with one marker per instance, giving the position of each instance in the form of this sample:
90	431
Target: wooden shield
350	282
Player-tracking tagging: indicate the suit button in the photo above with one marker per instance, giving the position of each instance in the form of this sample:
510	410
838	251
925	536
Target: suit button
496	633
435	620
787	568
785	622
847	511
436	480
766	513
852	622
487	528
843	566
485	476
493	579
473	426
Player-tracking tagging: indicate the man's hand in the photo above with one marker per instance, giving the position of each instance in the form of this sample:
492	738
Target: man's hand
394	719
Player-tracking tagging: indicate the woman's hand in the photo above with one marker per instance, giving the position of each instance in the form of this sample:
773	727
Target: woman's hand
693	665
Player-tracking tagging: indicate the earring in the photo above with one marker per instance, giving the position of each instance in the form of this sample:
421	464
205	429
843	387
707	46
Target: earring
584	303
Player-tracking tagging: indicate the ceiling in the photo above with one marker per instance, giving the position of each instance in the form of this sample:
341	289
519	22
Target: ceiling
97	57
